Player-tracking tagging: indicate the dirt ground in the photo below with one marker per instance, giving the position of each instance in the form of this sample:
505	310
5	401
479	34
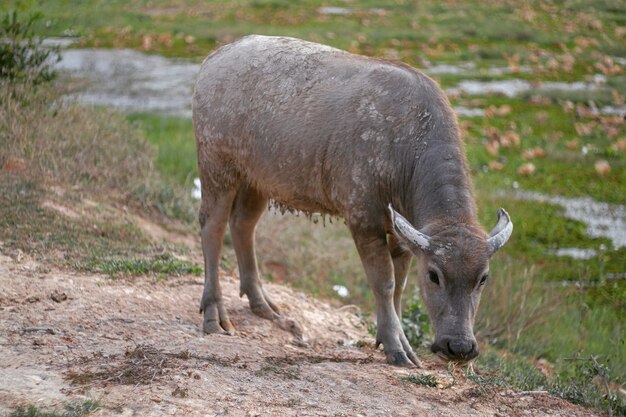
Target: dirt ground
135	345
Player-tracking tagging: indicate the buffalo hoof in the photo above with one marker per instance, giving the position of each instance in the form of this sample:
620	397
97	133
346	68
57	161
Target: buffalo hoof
400	359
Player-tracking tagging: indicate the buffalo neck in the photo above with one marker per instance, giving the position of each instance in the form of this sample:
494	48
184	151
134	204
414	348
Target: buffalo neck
440	190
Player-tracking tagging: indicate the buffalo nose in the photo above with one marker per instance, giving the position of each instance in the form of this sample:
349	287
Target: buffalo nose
463	349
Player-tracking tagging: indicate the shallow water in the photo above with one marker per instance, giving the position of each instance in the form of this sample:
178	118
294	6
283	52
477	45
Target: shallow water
603	220
515	87
575	253
132	81
335	10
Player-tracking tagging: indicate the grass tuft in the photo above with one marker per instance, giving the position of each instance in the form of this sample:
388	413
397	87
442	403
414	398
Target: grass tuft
421	379
164	264
77	409
582	380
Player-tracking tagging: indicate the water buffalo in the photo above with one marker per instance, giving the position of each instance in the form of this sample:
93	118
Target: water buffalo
317	129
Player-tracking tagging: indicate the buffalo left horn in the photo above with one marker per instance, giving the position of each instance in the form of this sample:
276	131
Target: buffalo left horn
501	232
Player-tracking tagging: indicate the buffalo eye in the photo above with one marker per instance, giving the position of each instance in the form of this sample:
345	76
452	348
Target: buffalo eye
484	279
434	278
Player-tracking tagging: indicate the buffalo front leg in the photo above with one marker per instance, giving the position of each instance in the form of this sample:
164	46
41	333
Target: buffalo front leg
401	257
248	207
213	219
376	259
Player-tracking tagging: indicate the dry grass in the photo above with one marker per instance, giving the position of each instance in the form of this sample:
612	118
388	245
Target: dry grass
512	303
65	143
88	149
311	256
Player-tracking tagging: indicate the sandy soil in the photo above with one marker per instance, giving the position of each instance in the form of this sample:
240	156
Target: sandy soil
136	347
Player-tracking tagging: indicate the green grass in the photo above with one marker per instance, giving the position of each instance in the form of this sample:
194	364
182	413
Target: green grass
421	379
430	30
585	379
163	265
173	139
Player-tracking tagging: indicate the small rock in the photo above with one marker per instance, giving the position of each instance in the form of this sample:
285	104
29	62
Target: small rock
180	392
58	296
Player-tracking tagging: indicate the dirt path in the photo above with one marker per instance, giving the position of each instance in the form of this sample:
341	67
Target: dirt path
136	347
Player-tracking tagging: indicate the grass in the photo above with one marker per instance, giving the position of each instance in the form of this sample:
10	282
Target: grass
164	264
525	307
88	166
585	381
421	379
555	42
107	153
174	142
78	409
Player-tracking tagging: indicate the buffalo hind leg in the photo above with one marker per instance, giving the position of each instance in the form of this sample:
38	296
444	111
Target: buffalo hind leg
374	252
401	257
247	209
213	219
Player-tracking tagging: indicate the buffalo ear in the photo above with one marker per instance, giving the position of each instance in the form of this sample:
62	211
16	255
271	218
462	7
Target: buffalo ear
402	228
501	232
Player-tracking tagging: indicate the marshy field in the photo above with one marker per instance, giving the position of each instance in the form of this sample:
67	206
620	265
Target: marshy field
539	89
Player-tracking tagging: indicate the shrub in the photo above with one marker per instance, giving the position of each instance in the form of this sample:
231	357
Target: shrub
22	56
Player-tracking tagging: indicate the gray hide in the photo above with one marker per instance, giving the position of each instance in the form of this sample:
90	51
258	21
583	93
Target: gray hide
320	130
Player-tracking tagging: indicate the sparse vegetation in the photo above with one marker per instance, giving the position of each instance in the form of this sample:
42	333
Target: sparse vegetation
80	409
163	264
586	381
421	379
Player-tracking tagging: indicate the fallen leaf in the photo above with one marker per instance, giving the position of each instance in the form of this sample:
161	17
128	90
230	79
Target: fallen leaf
146	42
492	147
511	138
541	117
620	145
584	129
526	169
602	166
495	165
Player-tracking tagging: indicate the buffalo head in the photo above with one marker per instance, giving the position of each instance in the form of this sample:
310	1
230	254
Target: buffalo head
453	268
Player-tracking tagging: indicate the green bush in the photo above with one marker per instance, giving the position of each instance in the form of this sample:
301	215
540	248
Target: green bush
22	56
415	321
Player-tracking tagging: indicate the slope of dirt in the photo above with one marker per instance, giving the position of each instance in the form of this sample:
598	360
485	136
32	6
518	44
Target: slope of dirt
136	347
